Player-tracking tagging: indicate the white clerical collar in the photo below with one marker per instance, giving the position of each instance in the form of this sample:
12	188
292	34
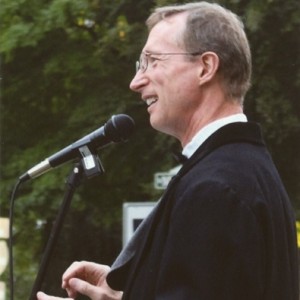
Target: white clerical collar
208	130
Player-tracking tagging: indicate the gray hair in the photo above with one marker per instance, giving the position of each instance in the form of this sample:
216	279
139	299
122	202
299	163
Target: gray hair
211	27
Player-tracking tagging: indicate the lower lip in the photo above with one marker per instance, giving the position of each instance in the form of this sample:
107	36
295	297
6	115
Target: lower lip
150	106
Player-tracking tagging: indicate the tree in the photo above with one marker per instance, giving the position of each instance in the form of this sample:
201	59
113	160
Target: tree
62	62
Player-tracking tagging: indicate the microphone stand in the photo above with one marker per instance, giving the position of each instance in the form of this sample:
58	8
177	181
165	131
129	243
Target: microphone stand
90	169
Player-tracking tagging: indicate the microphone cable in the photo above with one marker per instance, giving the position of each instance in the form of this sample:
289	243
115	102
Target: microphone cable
10	240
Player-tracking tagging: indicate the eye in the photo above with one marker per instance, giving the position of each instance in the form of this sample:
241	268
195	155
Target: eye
152	58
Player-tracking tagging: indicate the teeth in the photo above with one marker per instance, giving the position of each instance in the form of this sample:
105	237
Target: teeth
150	101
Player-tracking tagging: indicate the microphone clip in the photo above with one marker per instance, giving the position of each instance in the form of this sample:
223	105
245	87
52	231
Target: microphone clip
91	163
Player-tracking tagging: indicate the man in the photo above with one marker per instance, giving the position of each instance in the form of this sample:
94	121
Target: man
224	228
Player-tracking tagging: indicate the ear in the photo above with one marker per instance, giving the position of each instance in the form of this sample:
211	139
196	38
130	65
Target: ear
209	66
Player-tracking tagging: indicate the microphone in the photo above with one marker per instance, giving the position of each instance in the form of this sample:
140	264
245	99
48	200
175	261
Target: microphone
117	129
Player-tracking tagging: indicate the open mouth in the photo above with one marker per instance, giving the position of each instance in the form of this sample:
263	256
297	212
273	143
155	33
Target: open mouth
151	101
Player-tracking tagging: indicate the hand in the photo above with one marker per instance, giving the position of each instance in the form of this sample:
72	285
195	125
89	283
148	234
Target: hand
43	296
88	279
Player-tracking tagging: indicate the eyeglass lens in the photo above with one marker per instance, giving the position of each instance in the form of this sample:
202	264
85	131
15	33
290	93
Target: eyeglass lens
142	63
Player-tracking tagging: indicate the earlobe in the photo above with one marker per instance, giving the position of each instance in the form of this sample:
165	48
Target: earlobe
209	66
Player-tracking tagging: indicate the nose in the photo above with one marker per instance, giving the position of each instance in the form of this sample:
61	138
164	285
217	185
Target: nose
138	82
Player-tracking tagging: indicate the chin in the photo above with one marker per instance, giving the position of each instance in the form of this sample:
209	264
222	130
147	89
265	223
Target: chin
156	123
160	126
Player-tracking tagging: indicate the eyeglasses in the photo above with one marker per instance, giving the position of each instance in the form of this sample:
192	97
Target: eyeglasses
143	62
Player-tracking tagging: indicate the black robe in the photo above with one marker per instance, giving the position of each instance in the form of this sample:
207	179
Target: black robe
223	230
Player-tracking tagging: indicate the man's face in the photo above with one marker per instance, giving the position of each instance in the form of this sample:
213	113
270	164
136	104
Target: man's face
169	85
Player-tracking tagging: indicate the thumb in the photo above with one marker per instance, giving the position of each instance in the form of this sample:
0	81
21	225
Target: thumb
84	288
43	296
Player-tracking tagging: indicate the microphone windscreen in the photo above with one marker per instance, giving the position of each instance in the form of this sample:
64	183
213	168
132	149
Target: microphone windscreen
119	128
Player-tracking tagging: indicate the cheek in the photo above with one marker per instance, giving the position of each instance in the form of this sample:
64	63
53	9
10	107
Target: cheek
184	93
178	88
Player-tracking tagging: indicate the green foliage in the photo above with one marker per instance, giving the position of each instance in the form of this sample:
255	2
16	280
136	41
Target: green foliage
274	98
66	67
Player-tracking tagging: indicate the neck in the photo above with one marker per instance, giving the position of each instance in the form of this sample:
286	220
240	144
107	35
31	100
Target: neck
209	112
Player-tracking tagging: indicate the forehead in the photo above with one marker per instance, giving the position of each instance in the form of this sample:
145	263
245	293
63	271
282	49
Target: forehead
167	34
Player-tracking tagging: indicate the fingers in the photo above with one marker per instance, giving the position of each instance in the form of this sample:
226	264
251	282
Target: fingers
103	292
83	287
91	272
43	296
88	279
90	276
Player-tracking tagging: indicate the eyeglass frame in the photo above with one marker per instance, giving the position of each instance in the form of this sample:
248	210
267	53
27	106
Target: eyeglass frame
147	54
